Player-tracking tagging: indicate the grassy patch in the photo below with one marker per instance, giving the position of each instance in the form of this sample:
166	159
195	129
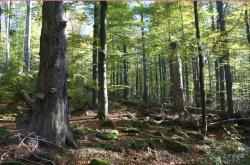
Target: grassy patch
78	131
108	135
195	135
175	145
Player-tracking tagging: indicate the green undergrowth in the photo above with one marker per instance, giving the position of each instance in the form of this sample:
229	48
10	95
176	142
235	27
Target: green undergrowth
230	150
108	124
4	133
108	135
78	131
98	161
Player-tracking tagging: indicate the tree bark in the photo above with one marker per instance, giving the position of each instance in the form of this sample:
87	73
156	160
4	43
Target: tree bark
197	99
95	53
103	91
125	72
156	80
228	76
176	79
217	80
144	61
7	27
201	66
247	26
50	118
27	39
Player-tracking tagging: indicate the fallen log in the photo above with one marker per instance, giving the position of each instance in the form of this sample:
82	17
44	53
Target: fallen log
228	121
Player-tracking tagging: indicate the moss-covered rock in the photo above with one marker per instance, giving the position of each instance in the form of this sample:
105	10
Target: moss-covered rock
108	124
195	135
175	145
4	133
78	131
98	161
108	135
136	123
130	130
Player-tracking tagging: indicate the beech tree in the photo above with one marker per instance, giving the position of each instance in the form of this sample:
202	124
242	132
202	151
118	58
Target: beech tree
176	78
102	81
201	66
50	118
27	38
95	53
7	29
225	59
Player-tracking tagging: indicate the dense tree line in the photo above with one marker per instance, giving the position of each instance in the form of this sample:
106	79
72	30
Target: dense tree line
183	54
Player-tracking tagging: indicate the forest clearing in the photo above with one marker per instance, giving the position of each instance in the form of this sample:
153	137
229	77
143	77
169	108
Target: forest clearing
129	82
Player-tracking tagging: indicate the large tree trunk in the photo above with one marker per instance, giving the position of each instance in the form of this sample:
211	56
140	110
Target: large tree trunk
50	118
95	52
7	27
201	65
228	76
125	72
176	79
103	91
144	61
27	39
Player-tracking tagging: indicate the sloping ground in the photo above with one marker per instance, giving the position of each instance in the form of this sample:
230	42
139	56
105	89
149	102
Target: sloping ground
137	140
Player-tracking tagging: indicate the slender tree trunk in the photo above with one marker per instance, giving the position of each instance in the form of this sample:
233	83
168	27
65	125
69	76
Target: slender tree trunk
197	99
95	53
27	38
50	119
156	81
125	70
164	77
222	87
160	74
216	63
185	78
103	91
176	79
7	27
137	79
0	29
247	26
145	74
228	76
117	78
151	84
201	66
217	80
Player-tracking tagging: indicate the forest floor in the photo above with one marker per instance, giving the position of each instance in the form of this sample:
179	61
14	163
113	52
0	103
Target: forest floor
132	136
